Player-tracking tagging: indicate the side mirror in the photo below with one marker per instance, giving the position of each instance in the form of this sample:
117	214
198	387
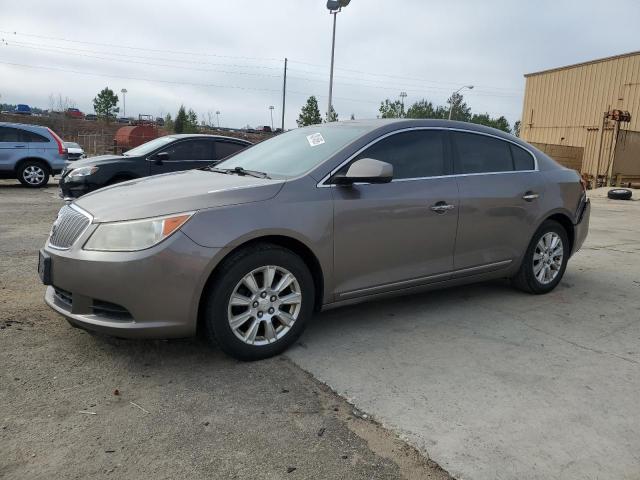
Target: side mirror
161	157
366	170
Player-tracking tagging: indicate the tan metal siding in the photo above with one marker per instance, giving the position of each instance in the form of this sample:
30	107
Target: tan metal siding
565	106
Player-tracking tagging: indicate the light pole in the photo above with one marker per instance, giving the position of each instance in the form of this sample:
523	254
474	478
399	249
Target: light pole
124	101
334	6
470	87
271	107
403	95
218	117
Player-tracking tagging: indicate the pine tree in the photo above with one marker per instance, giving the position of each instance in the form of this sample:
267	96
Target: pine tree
104	104
310	113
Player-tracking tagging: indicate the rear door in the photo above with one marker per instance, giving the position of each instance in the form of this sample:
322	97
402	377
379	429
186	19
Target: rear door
186	155
500	189
399	234
38	145
12	148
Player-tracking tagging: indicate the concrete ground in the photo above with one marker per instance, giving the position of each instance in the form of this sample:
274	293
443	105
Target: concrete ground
77	406
492	383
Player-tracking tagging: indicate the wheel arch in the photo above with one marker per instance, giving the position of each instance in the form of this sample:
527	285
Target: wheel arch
24	160
565	221
296	246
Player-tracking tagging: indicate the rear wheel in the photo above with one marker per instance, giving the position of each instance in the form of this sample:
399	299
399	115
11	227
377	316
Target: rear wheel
33	173
259	302
545	260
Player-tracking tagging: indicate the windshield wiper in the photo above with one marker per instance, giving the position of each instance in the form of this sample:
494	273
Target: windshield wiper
238	171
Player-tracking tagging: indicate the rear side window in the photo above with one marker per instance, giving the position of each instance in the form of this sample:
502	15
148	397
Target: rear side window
191	150
8	134
32	137
225	149
522	160
414	154
481	154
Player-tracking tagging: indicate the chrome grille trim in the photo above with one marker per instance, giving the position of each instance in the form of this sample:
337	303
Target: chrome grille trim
71	223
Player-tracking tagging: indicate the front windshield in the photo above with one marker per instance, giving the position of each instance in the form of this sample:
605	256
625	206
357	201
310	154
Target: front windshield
148	147
295	152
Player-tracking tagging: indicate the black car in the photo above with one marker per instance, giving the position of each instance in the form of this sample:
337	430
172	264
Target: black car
171	153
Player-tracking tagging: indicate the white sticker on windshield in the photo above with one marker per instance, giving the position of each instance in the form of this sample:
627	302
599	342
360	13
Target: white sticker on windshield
315	139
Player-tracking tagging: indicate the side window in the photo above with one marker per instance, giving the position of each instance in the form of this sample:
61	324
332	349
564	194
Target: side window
522	160
414	154
8	134
32	137
481	154
226	149
191	150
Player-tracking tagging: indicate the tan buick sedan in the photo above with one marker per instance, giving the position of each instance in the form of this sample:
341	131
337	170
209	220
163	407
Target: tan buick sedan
245	251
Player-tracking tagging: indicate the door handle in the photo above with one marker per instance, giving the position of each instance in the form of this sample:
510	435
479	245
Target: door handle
442	207
530	196
19	146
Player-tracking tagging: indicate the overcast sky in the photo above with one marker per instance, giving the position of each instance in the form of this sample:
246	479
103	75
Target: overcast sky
228	55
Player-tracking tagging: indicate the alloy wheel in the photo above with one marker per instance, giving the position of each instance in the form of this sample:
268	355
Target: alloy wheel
264	305
33	175
547	258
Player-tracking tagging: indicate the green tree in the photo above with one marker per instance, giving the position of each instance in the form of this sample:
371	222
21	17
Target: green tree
192	122
425	109
310	113
500	123
181	120
332	116
168	122
389	109
104	104
459	109
516	128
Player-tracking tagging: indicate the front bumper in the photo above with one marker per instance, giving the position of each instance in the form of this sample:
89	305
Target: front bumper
154	293
75	189
581	228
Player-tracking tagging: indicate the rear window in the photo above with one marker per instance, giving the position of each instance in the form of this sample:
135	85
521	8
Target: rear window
225	149
481	154
32	137
522	160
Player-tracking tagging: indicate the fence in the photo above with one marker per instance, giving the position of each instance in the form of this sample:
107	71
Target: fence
94	143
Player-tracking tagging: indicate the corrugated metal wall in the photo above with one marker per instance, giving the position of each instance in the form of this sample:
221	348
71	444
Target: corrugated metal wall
566	106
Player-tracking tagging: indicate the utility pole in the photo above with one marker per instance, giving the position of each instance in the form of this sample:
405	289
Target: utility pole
333	50
403	95
218	117
124	102
271	107
470	87
284	92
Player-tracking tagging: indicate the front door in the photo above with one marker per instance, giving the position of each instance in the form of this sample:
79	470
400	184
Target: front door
500	193
185	155
399	234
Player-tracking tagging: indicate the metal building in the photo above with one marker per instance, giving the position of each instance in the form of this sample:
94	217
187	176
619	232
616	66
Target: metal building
587	116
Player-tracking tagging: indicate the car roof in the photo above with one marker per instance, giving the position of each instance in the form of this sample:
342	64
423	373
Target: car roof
22	125
203	135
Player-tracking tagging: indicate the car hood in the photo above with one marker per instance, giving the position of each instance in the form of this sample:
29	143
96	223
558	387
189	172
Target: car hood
174	193
96	161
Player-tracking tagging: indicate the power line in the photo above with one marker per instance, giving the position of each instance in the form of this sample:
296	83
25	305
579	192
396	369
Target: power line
113	45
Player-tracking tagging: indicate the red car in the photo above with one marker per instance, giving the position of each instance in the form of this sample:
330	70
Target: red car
74	113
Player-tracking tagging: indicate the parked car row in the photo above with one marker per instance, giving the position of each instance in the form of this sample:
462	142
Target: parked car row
245	251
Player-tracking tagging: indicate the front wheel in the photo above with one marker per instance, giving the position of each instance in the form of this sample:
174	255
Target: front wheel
545	260
259	302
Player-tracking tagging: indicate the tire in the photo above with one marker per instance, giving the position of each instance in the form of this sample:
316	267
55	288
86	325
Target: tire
262	330
619	194
33	174
532	277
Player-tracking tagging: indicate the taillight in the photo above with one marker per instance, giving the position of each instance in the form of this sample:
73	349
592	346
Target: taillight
62	150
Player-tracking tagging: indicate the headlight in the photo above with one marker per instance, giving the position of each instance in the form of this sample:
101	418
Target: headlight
135	235
82	172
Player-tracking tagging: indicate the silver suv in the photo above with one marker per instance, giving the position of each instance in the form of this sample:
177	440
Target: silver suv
30	153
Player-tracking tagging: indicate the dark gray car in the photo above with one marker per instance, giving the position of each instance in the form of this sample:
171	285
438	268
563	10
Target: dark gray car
315	218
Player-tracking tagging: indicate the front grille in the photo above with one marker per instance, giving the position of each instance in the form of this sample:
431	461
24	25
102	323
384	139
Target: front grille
68	227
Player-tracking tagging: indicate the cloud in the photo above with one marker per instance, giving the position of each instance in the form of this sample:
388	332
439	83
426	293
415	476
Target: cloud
228	55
